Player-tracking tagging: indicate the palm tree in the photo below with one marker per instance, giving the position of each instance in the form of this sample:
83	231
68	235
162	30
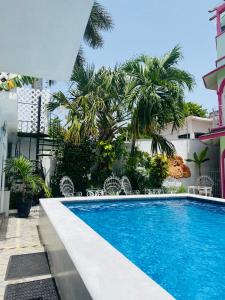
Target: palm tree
157	96
200	159
96	104
100	20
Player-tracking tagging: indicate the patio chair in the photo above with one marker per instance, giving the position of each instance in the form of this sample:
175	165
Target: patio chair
126	185
205	185
112	185
66	187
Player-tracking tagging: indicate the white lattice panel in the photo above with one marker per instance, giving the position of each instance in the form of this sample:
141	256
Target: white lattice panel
28	110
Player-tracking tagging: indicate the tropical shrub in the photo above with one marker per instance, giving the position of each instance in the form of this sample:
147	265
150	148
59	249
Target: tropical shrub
158	171
22	178
145	171
181	189
110	158
74	161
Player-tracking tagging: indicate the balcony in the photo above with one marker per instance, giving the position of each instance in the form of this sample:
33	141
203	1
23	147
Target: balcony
32	111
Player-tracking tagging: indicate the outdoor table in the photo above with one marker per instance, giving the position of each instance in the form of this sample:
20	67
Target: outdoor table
95	192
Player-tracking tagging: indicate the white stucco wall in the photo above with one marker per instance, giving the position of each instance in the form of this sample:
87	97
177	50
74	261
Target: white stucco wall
49	164
191	126
8	130
42	38
8	113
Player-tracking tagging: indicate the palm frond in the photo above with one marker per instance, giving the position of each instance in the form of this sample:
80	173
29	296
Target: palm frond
161	145
22	169
100	20
172	58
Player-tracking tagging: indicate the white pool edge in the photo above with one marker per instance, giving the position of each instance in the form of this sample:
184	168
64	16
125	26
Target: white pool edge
86	266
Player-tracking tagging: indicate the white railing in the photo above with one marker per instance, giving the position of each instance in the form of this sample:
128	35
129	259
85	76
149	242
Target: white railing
28	110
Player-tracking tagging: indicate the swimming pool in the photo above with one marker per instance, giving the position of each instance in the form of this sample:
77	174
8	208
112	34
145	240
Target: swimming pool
179	243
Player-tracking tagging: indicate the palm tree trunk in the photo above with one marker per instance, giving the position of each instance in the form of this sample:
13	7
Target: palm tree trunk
199	170
134	135
133	144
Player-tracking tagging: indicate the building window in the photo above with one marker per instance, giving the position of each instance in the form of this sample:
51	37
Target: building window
184	136
222	22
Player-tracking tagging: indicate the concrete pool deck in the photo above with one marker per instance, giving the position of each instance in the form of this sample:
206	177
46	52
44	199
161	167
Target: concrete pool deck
18	236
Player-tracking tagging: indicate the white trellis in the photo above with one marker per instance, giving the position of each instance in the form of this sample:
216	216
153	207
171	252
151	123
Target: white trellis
28	110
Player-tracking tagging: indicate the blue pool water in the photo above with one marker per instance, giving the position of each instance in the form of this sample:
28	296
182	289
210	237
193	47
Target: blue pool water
178	243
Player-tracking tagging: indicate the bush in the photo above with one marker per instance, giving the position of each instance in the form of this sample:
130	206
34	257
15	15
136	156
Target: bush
74	161
145	171
109	159
158	171
181	189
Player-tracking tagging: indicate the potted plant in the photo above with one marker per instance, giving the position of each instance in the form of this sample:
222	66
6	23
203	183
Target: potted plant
22	179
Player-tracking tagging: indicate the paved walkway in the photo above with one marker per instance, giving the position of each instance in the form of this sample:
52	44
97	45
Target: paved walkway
18	236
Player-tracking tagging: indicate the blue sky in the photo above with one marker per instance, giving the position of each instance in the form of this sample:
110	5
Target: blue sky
154	27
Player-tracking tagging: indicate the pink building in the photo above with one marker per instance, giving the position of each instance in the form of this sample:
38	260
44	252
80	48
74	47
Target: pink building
215	80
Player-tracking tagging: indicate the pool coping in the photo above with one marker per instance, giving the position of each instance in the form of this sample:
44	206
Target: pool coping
94	266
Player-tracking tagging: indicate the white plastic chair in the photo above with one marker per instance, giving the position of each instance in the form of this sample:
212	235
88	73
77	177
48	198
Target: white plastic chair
205	185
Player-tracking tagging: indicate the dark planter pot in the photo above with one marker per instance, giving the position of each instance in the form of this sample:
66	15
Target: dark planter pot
24	208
